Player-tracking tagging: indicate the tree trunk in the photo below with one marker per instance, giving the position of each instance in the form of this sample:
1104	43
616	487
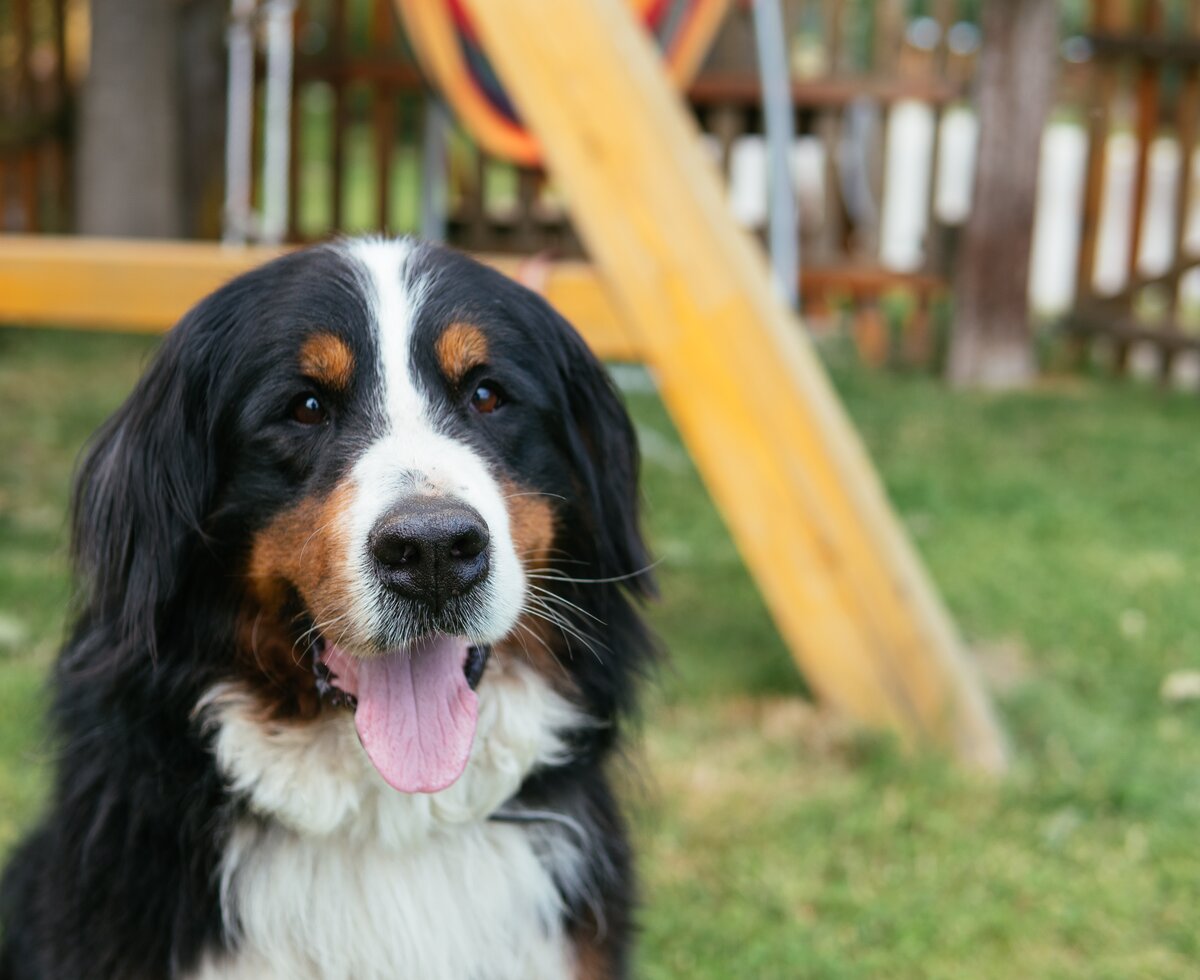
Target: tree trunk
129	174
992	343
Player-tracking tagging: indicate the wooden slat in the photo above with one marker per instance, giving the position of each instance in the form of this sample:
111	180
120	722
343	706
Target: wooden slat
62	95
54	182
1126	329
743	88
479	231
27	175
1099	116
299	27
889	36
1146	126
28	179
828	126
1187	114
1181	264
1109	46
833	227
400	75
758	415
409	125
338	44
1146	91
257	127
865	279
527	235
833	13
383	106
146	286
943	14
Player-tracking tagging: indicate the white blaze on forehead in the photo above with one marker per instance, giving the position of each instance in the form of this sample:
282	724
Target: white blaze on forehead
396	297
412	457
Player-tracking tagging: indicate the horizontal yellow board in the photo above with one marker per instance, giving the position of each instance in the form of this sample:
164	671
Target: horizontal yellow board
146	286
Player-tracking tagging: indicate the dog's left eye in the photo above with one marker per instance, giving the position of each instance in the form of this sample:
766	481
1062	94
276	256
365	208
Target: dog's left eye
308	410
487	397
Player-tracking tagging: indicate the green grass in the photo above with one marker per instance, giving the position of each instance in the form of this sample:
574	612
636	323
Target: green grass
774	840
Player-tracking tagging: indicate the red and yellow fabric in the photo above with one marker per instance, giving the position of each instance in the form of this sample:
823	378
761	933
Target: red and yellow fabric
448	48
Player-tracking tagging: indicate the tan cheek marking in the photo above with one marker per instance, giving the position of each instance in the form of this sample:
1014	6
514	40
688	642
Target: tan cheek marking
327	359
532	523
300	546
460	348
305	548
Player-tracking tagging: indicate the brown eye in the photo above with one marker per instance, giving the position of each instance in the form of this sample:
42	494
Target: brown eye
308	410
487	397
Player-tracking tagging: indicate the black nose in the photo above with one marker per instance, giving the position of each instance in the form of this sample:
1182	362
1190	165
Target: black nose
431	551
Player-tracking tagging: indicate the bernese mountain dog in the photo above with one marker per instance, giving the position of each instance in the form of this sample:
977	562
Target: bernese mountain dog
359	575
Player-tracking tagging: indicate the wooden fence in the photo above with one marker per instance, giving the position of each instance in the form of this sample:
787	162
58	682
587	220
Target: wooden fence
1145	80
359	117
359	113
34	116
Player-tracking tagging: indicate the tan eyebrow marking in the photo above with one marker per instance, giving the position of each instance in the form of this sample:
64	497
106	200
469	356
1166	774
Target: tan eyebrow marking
461	347
326	358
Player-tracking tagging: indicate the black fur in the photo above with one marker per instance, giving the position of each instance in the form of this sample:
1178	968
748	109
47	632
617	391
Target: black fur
118	879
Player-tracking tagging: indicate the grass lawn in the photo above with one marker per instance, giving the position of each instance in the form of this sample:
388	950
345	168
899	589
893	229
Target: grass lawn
1064	529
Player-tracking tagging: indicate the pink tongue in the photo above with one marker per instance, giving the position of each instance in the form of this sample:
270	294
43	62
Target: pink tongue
416	713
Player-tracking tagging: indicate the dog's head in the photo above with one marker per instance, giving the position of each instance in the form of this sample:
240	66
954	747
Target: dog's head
352	474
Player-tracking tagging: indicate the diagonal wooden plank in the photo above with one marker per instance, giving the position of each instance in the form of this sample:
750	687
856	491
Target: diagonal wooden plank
744	387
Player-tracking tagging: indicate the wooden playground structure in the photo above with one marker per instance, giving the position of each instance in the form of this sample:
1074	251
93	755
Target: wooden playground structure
360	99
673	282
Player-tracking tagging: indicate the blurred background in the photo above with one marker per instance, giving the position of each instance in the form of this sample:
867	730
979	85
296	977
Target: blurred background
995	240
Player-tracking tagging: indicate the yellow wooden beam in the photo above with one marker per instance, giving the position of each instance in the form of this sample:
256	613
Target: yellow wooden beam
102	283
771	440
146	286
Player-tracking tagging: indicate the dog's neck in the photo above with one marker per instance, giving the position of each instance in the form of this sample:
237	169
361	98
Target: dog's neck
332	872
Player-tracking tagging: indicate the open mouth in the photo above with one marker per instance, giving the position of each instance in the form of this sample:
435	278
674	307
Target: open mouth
415	707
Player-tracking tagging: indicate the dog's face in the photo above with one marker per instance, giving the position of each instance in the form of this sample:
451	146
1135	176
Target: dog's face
380	461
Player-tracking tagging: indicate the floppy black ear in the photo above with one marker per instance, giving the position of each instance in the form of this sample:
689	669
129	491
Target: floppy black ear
607	459
141	494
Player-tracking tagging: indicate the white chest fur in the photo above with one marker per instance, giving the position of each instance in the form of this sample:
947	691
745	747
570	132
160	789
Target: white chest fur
336	875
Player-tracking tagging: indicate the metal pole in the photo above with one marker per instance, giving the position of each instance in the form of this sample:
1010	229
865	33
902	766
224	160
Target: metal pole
239	124
277	15
433	171
783	218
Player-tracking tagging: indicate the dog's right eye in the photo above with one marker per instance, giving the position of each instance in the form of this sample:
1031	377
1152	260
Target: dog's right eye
308	410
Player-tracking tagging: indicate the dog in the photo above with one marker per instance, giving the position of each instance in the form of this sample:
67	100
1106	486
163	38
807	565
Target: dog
357	632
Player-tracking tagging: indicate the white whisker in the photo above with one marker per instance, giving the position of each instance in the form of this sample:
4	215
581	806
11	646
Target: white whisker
596	581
